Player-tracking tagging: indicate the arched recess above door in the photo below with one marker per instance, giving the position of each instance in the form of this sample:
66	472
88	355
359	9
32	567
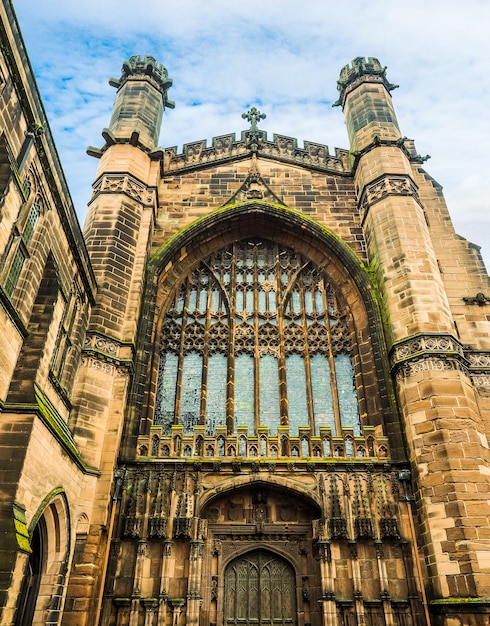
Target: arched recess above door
252	491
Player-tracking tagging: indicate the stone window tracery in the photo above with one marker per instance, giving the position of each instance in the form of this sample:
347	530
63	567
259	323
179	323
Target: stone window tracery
255	337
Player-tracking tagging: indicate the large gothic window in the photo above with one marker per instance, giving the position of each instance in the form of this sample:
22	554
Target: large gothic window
256	337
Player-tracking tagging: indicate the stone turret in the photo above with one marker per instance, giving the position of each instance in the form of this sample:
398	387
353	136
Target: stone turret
118	229
118	223
436	398
394	220
140	102
363	89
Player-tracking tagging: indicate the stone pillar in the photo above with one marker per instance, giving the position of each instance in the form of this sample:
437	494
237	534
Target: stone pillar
164	580
150	606
194	597
176	604
384	583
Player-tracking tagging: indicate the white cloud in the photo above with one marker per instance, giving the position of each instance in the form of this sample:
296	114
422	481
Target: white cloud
285	56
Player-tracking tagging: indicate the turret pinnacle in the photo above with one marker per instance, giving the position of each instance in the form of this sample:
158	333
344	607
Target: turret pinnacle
146	66
362	70
140	102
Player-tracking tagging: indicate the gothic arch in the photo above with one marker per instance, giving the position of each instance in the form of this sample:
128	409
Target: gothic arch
251	522
274	483
280	551
260	586
186	249
43	589
288	227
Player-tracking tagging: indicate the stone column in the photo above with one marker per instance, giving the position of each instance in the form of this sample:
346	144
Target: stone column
194	598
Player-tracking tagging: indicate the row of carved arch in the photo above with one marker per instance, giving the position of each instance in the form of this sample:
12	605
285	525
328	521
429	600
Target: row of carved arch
304	447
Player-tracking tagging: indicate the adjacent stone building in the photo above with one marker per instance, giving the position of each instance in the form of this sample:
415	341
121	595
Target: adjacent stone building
255	390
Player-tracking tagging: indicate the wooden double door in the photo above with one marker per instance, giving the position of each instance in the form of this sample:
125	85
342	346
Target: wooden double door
260	589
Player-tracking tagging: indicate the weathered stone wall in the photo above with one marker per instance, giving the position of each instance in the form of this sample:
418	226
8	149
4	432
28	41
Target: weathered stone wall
46	291
327	198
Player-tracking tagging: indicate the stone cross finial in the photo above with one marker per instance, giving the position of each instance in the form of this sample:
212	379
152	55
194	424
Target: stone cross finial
253	115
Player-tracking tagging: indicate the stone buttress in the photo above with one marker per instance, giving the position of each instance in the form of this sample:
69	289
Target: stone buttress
444	426
117	231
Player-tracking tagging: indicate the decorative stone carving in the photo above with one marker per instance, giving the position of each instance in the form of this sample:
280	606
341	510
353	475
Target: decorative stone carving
98	363
102	344
388	528
157	528
478	359
481	299
386	186
428	364
117	183
428	352
104	354
425	343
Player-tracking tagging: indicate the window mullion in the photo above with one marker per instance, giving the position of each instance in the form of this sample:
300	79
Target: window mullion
205	354
333	376
255	301
283	391
180	367
306	355
230	379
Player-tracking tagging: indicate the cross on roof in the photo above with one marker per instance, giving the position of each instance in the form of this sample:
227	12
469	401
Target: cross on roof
253	115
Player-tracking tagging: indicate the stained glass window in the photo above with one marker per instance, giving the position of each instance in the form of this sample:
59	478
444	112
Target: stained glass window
255	336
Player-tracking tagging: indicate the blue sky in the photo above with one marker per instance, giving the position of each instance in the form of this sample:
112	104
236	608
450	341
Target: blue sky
283	56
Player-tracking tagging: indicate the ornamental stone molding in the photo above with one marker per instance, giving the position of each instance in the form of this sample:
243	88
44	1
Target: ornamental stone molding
425	353
423	345
479	360
481	381
102	344
107	355
388	185
479	363
361	70
412	368
101	365
126	184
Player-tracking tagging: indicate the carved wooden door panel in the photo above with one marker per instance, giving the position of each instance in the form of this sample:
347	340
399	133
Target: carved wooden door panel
260	590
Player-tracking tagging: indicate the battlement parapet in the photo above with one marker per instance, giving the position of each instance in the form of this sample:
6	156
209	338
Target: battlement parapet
283	148
371	444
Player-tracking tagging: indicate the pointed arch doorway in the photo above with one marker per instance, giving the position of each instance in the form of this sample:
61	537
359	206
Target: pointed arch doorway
260	589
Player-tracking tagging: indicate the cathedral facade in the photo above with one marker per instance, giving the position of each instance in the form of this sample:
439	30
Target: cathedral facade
254	390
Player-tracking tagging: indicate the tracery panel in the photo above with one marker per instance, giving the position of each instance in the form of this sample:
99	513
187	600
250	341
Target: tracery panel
256	336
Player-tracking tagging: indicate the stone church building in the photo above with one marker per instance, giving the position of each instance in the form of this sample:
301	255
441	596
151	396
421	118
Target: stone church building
254	390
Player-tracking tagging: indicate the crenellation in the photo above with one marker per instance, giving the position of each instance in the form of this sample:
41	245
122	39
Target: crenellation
281	148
